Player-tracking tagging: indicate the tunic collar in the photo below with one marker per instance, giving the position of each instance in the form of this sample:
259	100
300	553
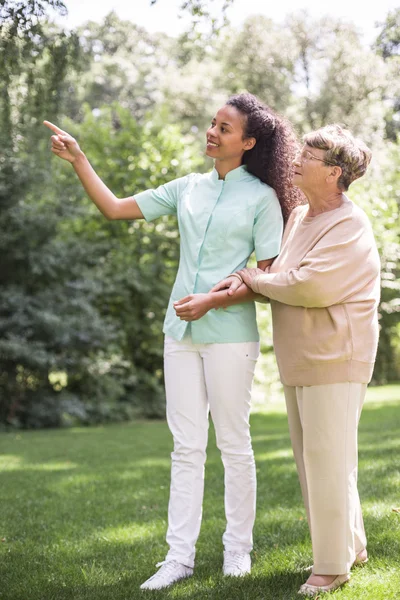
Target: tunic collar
234	175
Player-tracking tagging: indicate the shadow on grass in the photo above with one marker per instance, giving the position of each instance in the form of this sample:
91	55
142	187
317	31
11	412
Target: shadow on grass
108	572
84	511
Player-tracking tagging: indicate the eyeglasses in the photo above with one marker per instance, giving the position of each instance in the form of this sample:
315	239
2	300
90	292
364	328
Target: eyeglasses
307	156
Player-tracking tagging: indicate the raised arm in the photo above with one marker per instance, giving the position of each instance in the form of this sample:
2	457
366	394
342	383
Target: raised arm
66	147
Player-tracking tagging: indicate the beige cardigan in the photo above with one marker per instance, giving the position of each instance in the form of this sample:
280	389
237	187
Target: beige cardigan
324	288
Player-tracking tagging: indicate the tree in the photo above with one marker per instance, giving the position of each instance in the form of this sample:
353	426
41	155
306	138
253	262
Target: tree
33	61
379	194
207	19
121	60
57	336
260	58
388	41
300	67
82	300
388	46
337	78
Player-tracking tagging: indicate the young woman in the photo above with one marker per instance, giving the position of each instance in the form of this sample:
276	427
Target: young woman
210	355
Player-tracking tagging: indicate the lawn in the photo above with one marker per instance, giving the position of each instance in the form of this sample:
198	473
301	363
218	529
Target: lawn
83	512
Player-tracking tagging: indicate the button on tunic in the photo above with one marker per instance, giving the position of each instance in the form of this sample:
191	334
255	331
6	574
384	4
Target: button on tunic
221	222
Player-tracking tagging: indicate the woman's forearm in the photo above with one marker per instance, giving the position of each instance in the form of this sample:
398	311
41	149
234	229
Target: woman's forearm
95	188
105	200
243	294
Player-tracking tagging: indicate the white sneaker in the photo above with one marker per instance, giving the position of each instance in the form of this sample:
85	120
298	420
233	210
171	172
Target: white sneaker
236	564
171	571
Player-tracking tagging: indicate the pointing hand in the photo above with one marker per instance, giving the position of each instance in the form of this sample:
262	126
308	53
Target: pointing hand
63	144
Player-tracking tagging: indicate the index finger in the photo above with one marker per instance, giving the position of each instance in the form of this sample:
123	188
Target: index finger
54	128
221	285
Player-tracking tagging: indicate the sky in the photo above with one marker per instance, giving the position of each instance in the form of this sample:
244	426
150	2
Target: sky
164	15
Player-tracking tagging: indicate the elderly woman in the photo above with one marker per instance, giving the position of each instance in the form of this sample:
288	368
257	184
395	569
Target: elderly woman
324	292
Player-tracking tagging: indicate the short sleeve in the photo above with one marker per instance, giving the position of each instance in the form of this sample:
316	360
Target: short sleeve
268	227
162	200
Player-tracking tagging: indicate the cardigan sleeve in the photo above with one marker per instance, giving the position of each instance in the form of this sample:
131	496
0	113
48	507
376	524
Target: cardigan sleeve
338	266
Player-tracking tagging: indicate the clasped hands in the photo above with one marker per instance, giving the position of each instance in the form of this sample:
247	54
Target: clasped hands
195	306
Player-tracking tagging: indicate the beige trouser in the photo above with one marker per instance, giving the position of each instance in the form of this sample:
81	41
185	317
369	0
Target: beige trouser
323	422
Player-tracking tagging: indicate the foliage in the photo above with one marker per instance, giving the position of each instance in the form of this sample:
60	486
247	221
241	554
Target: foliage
72	300
388	46
81	299
93	297
34	306
120	60
261	57
388	41
379	195
207	19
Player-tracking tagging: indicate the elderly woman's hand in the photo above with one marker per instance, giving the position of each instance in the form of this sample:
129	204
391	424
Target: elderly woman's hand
230	284
248	275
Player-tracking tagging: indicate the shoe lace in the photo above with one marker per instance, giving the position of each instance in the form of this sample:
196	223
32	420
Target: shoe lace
235	559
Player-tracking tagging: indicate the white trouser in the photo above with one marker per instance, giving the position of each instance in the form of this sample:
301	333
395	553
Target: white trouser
200	378
323	423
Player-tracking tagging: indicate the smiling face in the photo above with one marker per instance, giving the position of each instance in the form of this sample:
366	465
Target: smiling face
225	137
310	171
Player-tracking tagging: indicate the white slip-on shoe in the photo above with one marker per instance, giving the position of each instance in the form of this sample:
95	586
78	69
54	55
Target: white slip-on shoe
170	572
307	589
236	564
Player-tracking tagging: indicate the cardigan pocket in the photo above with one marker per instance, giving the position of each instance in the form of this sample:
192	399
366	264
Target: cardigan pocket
327	334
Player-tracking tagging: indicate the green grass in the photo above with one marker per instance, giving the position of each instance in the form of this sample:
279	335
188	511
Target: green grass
83	512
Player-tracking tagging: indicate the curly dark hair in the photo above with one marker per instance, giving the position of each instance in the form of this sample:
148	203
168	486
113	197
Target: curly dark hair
276	146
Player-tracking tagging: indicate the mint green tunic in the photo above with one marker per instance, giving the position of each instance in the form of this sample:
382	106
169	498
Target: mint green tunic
221	222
